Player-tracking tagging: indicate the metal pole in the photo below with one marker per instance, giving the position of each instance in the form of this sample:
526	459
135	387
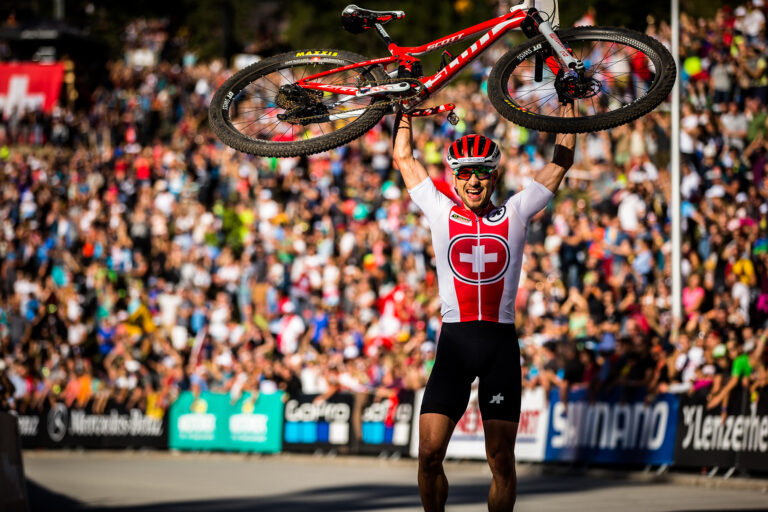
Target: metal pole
677	279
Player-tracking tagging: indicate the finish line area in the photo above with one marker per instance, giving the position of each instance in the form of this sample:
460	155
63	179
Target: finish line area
133	481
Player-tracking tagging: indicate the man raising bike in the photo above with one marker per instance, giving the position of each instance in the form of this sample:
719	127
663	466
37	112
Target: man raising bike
479	249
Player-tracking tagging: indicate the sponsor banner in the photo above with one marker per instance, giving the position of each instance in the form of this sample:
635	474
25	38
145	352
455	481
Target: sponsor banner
29	86
212	422
468	439
13	492
58	426
611	431
383	425
323	425
707	438
531	441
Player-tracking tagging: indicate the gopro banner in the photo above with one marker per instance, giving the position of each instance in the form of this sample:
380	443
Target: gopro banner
707	438
383	425
609	431
468	439
58	426
311	425
213	422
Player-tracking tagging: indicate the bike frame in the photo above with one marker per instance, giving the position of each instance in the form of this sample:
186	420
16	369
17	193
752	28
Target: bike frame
407	55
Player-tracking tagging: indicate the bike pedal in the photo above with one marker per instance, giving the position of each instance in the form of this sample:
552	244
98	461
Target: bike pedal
453	118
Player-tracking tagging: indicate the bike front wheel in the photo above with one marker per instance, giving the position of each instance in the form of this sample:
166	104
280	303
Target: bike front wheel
260	110
626	75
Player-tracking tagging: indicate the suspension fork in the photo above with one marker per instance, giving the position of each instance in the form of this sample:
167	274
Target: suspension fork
534	25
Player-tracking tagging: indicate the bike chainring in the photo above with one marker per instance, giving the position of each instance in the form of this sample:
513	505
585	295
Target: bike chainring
305	106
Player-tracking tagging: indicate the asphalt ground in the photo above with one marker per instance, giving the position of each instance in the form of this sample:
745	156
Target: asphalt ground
169	482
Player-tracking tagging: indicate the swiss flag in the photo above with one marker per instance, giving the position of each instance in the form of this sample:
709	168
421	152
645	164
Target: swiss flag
29	86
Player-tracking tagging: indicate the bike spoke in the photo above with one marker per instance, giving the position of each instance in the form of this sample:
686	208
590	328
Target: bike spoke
610	64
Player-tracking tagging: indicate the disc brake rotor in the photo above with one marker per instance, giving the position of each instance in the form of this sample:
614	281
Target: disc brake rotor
577	87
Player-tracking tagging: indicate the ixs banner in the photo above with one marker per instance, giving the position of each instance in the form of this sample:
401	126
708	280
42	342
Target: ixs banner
58	426
311	425
213	422
29	86
383	425
707	438
610	431
468	440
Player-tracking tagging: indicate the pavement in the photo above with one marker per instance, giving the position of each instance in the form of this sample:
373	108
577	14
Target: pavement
143	481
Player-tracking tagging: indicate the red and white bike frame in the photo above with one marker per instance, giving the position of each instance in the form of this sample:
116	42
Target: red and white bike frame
408	55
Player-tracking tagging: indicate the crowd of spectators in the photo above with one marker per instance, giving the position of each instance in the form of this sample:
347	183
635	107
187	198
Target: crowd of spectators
140	257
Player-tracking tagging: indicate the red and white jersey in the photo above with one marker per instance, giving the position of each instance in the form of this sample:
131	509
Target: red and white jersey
479	258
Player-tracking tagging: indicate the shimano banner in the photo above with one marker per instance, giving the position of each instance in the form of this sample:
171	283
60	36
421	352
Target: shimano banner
212	421
58	426
708	438
311	425
383	425
610	431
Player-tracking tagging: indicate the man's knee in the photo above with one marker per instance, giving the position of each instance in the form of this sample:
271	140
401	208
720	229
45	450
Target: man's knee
430	455
502	463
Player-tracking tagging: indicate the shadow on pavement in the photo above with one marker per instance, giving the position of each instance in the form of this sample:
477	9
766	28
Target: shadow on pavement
43	500
327	499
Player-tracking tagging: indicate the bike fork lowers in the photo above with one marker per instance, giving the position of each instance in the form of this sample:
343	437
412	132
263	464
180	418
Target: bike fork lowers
534	25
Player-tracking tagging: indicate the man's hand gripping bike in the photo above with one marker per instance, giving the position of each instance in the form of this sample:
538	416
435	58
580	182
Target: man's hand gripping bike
305	102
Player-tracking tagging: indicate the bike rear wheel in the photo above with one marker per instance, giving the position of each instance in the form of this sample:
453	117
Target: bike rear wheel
627	74
259	110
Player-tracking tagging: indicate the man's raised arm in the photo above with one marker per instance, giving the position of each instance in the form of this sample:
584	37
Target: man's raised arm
552	174
412	170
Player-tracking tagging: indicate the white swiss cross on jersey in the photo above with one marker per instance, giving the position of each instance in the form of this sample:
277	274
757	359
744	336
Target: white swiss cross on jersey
479	258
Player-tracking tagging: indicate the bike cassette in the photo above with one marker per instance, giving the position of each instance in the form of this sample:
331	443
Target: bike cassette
302	106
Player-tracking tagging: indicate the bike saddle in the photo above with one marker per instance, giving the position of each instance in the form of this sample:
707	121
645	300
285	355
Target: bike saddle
357	20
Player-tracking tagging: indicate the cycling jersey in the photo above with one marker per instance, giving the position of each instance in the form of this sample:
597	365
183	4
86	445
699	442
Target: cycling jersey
478	258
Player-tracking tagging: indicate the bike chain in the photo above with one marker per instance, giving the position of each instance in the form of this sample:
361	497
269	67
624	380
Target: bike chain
419	87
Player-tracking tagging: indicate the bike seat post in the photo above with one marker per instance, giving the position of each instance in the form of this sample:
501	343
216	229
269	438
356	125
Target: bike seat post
383	33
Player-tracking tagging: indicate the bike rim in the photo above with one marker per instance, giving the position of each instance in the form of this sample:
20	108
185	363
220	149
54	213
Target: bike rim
256	104
624	72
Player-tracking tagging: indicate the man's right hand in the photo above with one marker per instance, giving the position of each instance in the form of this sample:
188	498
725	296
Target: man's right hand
412	170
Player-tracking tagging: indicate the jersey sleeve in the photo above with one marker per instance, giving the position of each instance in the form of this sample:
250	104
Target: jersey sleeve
529	201
430	201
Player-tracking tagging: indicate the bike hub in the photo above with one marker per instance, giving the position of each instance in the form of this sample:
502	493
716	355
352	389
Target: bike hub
577	86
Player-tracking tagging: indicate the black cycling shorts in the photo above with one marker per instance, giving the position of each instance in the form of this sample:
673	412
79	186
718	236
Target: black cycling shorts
465	350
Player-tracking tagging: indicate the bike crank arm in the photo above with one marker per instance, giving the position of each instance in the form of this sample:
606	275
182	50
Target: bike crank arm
424	112
382	89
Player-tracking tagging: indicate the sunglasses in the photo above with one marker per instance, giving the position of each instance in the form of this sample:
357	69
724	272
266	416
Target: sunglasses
482	172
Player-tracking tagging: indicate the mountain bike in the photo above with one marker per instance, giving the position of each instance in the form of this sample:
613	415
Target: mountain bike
308	101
